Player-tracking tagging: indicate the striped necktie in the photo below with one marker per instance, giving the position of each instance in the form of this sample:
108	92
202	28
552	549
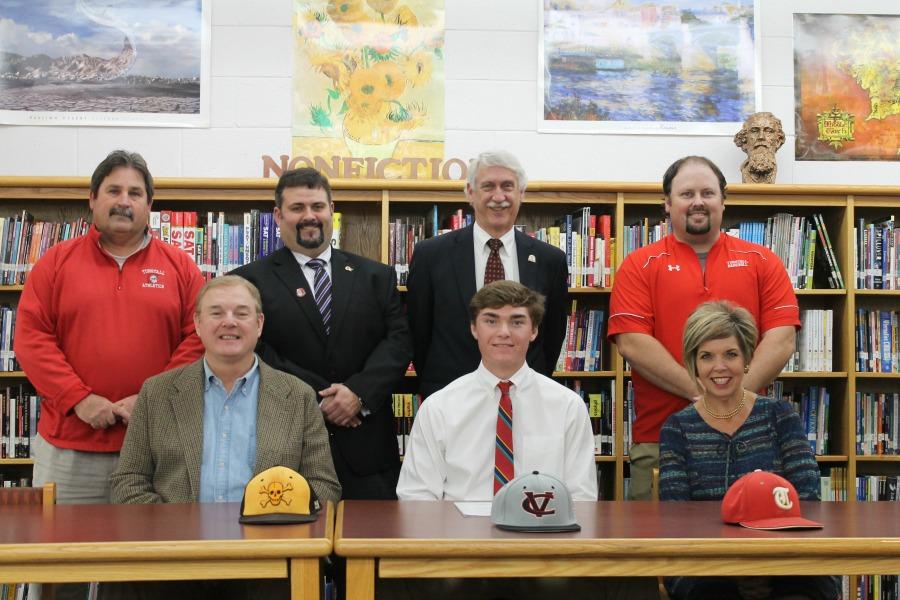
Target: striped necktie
503	453
322	291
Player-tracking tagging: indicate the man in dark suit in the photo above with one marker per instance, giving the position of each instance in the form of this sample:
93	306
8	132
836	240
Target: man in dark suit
335	320
447	270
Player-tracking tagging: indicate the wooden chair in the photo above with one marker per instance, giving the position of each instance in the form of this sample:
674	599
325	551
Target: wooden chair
33	496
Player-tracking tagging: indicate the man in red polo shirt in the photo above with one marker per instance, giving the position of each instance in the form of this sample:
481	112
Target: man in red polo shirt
659	286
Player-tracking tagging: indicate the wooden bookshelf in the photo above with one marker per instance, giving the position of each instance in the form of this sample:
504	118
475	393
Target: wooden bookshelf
369	205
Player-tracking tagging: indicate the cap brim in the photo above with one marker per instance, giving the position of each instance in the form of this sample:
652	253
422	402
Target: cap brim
781	523
277	519
540	528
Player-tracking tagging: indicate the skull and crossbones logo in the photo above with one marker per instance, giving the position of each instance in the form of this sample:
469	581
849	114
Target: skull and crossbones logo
274	494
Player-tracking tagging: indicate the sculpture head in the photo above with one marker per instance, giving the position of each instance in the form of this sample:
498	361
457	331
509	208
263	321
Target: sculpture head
760	137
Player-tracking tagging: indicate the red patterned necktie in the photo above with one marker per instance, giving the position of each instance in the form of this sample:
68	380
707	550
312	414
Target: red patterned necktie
503	453
493	270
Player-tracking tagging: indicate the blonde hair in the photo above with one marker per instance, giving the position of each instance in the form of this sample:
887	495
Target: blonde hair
716	321
228	281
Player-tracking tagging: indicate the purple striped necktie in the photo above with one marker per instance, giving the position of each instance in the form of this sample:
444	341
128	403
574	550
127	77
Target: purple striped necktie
322	291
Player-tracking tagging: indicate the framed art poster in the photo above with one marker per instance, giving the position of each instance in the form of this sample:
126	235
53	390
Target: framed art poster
638	66
105	62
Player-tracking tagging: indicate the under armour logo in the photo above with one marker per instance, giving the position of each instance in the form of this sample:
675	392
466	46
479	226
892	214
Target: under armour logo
782	498
674	267
530	504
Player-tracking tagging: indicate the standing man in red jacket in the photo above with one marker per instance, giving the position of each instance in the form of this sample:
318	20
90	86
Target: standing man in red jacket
100	314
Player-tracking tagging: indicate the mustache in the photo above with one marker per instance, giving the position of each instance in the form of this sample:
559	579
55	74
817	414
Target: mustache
119	211
500	204
309	223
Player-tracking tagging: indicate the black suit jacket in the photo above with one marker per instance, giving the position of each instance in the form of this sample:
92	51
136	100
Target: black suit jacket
368	350
442	282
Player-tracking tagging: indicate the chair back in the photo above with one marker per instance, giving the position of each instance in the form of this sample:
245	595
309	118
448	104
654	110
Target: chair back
33	496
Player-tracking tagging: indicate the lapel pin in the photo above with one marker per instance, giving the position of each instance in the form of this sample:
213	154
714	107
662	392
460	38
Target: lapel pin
301	292
348	268
531	258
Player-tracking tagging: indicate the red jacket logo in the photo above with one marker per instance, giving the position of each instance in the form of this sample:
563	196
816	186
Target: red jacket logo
536	504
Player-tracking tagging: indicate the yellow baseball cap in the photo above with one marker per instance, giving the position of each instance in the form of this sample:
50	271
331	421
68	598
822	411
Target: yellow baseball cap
279	495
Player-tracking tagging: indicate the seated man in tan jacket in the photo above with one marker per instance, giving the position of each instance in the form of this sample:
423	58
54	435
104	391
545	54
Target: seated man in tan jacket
201	432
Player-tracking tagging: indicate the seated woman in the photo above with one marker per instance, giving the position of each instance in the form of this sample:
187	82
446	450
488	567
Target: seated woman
727	433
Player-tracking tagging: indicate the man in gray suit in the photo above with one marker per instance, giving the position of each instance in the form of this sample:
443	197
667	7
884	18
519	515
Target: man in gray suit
199	433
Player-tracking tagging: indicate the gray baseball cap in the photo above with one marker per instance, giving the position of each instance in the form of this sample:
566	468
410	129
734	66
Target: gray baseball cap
534	502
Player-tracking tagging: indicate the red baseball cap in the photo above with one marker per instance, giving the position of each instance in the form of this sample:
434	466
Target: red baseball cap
762	500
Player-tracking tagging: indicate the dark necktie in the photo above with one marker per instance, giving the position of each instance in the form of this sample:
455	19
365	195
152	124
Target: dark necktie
493	270
322	291
503	453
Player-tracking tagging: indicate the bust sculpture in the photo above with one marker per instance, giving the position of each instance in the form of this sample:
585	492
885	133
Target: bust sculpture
760	137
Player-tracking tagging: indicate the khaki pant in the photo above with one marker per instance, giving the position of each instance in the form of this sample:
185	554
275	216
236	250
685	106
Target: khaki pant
644	458
80	478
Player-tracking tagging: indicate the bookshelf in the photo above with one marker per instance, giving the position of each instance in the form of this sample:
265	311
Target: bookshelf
369	206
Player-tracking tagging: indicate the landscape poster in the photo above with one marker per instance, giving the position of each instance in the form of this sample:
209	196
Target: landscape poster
105	62
847	86
645	66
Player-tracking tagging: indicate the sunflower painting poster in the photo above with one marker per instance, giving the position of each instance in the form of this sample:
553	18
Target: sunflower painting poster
369	85
846	74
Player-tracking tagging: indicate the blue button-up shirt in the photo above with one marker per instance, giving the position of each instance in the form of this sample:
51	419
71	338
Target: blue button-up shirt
229	435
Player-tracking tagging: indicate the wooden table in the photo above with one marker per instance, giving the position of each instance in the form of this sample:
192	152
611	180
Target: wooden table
141	542
433	540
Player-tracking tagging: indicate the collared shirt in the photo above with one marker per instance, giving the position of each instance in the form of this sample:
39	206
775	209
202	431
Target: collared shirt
309	272
507	254
451	450
657	287
229	435
120	260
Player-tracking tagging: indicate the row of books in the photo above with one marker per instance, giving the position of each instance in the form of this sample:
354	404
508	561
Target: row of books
878	587
405	406
403	235
589	245
7	481
833	485
875	254
644	233
601	411
813	405
8	360
23	240
877	488
14	591
19	413
877	423
218	246
814	343
803	245
584	348
877	341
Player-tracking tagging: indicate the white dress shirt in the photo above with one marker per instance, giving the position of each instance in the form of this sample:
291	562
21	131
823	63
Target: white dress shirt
507	254
451	447
309	272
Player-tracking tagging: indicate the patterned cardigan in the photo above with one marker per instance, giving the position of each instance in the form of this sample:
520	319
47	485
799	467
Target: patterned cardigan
697	462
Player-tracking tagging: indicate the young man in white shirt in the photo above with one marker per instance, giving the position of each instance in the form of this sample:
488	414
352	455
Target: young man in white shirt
452	447
453	452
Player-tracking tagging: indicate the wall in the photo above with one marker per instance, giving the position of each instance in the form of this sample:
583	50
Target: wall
490	103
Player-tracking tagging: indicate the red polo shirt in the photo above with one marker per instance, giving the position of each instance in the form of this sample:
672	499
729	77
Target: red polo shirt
659	286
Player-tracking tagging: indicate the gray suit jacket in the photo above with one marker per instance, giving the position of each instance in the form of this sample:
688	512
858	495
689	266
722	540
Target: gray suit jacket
161	456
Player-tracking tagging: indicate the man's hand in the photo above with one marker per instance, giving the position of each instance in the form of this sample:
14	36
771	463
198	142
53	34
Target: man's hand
340	405
123	407
96	411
